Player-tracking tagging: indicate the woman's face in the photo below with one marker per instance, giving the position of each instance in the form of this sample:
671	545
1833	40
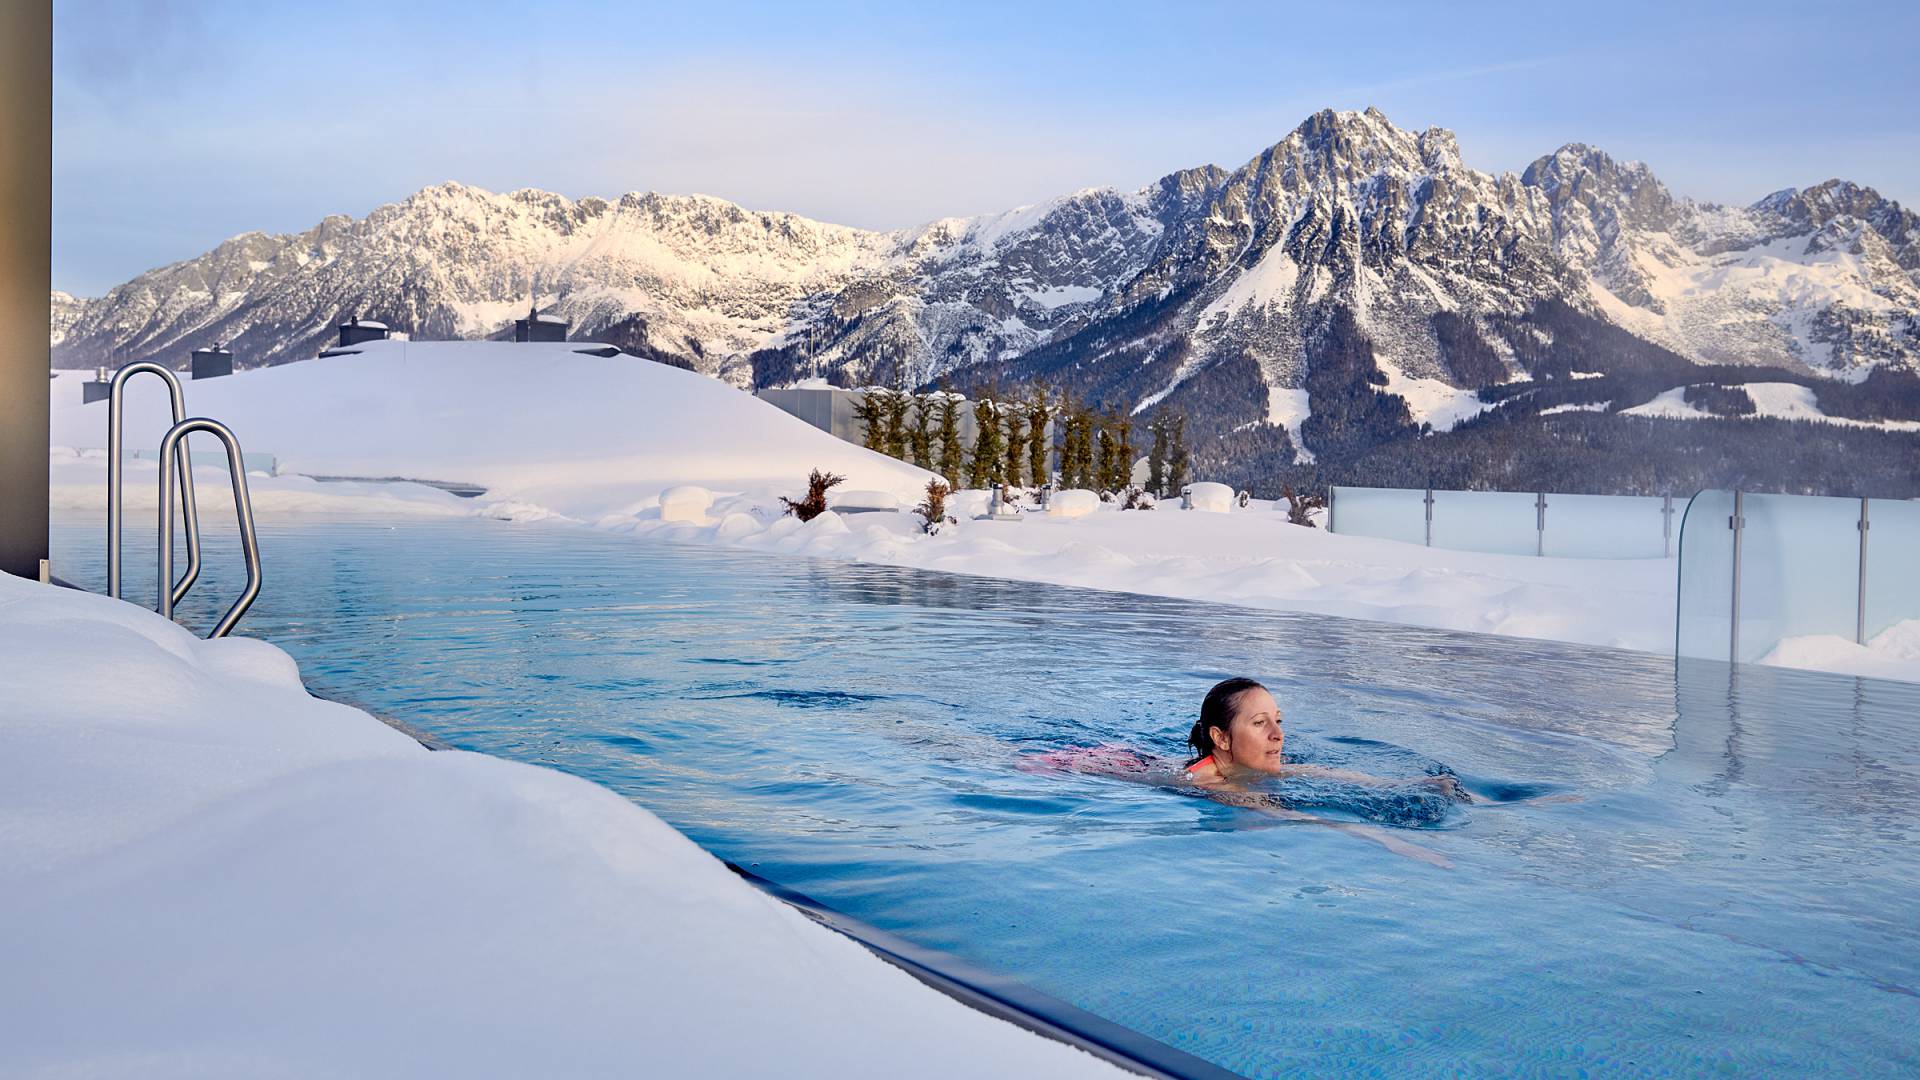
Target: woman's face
1253	737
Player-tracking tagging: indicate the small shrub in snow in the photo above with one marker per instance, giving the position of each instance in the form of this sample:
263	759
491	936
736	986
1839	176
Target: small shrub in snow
816	501
933	509
1137	499
1300	508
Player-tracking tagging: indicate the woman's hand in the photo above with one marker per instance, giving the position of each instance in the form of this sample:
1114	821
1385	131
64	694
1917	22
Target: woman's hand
1449	786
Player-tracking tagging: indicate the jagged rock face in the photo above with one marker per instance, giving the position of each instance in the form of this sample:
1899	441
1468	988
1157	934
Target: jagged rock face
1236	279
66	310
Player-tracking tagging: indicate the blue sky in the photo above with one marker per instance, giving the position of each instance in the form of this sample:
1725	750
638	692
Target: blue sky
178	124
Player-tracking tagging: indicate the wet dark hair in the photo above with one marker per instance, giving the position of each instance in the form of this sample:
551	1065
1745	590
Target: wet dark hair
1216	711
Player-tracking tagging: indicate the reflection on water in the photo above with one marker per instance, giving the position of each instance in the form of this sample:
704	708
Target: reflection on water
1666	870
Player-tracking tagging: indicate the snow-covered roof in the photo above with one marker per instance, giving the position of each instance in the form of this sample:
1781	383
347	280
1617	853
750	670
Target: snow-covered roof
367	323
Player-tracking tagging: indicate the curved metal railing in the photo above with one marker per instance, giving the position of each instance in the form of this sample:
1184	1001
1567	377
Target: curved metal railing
174	446
170	593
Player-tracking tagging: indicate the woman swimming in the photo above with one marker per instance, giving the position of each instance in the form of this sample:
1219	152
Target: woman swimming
1239	736
1237	741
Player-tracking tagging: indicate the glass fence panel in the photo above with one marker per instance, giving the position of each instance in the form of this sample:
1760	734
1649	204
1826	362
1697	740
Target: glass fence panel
1706	577
1503	522
1893	563
1388	513
1611	526
1799	570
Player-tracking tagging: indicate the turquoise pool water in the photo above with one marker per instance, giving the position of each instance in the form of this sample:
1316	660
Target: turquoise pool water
1724	881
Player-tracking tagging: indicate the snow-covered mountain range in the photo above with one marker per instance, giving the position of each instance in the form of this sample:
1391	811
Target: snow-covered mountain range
1206	288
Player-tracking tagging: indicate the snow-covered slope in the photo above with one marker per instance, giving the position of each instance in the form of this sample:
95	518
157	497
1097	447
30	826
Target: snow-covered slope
535	424
206	872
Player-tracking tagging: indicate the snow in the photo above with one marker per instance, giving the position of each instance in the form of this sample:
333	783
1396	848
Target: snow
862	500
1593	406
1210	497
1791	401
1269	281
1073	503
687	503
1671	405
1432	401
205	871
1894	653
1786	401
1060	295
533	423
1288	408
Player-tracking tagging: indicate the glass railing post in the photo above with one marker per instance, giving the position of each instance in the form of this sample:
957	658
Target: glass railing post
1860	619
1429	517
1736	523
1666	528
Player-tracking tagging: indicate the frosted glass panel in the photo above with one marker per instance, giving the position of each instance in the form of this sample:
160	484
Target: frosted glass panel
1388	513
1706	577
1498	521
1610	526
1799	570
1893	563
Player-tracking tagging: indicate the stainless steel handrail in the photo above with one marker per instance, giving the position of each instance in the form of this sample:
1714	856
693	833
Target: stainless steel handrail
174	444
116	420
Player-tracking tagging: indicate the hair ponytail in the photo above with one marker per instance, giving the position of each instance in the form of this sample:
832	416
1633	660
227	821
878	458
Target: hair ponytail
1216	711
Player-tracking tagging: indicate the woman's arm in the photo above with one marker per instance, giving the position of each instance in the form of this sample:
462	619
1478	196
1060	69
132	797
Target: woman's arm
1253	800
1446	784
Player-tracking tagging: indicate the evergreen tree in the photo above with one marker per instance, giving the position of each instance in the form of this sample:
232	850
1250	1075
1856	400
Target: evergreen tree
872	418
1123	437
1157	457
984	468
1177	460
1014	452
1039	439
895	406
952	453
920	437
1079	447
1106	467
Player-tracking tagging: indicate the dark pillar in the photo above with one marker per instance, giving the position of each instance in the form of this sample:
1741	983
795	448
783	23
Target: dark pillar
26	258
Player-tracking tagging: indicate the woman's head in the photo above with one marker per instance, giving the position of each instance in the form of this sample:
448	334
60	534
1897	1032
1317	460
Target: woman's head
1239	724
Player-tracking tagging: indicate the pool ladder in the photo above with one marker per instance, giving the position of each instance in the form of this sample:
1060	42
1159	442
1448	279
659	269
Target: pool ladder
174	455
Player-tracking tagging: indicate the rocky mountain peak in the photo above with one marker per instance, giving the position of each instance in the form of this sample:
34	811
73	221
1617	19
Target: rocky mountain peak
1625	192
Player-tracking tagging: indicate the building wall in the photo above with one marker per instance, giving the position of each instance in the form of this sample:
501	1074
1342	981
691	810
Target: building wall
26	260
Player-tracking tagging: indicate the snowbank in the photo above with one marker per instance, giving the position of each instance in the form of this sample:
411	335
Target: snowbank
205	871
1210	498
1892	654
1073	503
1251	557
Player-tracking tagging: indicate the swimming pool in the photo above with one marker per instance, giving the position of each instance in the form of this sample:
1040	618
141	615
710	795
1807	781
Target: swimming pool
1733	891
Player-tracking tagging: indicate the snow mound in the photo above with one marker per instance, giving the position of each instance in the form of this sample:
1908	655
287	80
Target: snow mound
1073	503
688	503
538	424
863	500
1211	497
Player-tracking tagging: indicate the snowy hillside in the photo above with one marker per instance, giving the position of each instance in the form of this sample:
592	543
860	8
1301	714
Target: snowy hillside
546	430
